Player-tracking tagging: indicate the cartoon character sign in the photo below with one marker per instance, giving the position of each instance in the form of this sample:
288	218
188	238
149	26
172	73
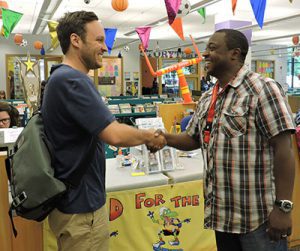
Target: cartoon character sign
171	226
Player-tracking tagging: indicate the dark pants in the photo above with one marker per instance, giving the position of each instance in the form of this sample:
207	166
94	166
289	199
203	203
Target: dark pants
257	240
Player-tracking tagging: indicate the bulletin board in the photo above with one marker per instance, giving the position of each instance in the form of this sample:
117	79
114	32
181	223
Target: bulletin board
265	67
110	76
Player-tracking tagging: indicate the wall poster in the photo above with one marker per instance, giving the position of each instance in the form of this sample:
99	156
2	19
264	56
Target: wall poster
110	76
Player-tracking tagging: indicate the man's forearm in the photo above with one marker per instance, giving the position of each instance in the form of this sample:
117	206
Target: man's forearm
181	141
284	172
123	135
284	167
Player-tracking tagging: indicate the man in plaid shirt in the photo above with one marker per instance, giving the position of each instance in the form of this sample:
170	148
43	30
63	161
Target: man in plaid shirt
243	126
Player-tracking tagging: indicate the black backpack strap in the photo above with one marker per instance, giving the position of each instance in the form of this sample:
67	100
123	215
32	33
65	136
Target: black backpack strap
75	178
43	86
10	212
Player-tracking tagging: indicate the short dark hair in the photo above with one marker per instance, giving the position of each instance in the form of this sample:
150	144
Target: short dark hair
73	22
236	39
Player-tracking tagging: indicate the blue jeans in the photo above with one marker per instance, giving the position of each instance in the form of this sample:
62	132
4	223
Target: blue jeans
257	240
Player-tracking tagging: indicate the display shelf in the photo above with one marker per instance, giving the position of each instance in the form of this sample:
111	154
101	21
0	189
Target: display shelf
134	101
135	114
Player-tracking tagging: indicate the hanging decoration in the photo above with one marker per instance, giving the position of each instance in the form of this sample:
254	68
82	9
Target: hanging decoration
110	35
29	64
18	39
38	45
169	53
187	50
233	4
259	7
31	82
172	7
3	4
177	27
295	40
119	5
42	52
144	35
178	68
53	34
24	43
10	19
202	13
184	8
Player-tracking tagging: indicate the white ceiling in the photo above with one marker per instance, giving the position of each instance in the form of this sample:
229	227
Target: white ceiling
144	12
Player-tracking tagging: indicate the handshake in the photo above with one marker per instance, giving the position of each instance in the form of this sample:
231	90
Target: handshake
156	140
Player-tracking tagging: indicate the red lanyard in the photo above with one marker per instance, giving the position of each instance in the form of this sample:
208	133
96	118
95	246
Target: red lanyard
211	111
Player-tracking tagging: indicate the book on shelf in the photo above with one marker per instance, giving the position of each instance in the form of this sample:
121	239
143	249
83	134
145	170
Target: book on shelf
114	109
139	108
125	108
149	107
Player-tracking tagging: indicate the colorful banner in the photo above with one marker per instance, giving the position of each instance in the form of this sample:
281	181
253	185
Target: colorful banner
53	34
259	7
177	27
110	35
144	35
159	218
233	3
163	218
10	19
172	7
202	13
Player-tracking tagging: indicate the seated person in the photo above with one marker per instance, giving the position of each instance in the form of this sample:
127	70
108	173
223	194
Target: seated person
2	94
184	122
9	115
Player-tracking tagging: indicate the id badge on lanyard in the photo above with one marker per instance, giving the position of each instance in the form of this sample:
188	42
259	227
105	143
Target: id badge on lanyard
211	112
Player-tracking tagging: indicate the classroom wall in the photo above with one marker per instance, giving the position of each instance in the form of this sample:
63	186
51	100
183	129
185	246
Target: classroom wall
7	46
263	52
131	58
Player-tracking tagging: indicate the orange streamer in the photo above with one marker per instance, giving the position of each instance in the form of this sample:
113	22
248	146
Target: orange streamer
176	67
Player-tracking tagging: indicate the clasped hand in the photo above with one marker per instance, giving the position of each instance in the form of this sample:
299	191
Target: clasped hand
156	141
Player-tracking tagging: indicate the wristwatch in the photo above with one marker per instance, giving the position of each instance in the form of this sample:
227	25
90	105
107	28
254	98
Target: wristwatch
284	205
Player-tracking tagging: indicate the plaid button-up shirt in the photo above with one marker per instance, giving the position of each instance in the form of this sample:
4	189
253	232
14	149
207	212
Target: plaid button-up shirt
239	188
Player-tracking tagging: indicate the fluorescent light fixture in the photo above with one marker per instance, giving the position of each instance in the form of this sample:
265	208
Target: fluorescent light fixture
46	13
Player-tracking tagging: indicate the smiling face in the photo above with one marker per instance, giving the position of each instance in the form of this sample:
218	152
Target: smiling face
93	46
218	57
